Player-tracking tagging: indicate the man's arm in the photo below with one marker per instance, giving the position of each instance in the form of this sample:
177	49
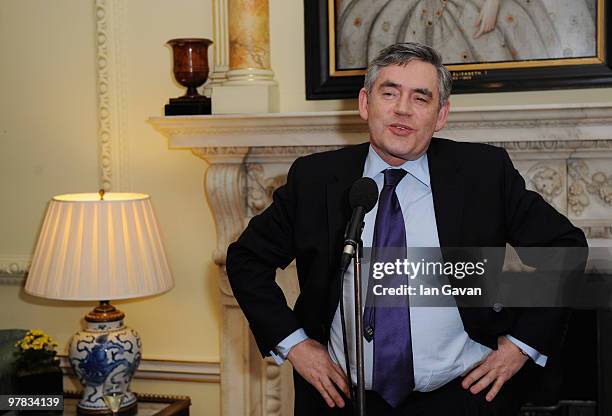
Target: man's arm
530	222
266	244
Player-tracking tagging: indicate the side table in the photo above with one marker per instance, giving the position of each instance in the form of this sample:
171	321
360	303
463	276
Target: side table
148	404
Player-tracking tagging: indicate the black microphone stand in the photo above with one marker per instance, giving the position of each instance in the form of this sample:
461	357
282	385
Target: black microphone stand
362	198
360	408
358	393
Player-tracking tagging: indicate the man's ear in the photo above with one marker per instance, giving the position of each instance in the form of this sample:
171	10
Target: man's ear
363	104
443	115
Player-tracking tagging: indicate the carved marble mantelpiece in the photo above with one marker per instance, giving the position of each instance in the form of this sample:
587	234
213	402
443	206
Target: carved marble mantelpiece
563	151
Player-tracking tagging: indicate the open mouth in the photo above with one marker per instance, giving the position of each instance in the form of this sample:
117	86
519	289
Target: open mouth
400	129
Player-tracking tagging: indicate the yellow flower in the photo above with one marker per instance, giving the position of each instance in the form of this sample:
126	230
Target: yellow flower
37	340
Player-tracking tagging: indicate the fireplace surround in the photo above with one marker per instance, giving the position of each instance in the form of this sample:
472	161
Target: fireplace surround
564	152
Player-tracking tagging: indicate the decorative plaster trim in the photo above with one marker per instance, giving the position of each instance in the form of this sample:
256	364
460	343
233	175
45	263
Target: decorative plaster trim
273	394
279	154
598	185
225	185
600	231
167	369
13	269
221	45
260	188
551	146
542	123
12	280
231	155
548	180
111	95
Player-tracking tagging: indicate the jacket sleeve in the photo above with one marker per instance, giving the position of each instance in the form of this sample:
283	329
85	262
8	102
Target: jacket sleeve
266	244
532	222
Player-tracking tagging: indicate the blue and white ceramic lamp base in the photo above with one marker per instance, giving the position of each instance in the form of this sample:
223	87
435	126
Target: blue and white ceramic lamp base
105	353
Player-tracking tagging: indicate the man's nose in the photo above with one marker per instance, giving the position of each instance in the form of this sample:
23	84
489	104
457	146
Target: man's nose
403	107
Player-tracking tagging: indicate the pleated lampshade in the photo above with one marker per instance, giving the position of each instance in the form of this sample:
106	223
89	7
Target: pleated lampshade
93	249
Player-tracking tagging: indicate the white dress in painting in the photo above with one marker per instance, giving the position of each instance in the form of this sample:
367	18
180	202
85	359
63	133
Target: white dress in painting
467	31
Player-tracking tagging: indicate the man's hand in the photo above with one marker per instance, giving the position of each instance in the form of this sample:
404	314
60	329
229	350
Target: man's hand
312	361
498	367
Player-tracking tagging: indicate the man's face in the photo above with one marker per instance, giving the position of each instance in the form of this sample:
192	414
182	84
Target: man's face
403	111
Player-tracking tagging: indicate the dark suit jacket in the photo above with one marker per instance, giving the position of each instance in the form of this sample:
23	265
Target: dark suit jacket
479	198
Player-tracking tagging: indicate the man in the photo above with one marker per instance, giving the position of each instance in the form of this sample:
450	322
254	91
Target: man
452	360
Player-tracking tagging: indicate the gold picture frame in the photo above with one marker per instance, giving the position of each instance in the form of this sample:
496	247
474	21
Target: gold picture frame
326	79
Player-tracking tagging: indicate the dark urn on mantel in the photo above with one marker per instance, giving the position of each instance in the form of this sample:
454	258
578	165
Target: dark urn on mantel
190	70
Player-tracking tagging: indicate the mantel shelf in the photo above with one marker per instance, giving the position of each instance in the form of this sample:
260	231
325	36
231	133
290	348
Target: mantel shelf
479	124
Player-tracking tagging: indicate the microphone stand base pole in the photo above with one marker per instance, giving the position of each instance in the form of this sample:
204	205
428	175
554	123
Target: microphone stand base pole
360	399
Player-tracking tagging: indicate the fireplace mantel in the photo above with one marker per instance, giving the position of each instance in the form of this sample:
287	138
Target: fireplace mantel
340	128
564	152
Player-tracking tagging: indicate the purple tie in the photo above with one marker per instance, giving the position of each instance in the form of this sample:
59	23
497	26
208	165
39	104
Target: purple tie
389	324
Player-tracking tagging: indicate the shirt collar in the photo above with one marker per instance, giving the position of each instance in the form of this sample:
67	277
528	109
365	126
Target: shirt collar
419	168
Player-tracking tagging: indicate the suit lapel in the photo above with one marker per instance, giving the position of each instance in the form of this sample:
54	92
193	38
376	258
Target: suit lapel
338	210
447	185
349	169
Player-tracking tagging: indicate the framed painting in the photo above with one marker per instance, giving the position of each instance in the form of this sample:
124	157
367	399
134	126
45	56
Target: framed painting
488	45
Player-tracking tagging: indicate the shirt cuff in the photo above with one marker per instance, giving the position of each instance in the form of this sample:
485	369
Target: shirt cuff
281	351
539	359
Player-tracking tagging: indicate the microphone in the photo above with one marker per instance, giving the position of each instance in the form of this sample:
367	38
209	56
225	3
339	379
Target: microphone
362	198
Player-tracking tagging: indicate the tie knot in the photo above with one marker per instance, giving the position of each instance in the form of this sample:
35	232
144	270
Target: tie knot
393	176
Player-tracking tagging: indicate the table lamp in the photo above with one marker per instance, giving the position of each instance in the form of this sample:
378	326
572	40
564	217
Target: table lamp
101	247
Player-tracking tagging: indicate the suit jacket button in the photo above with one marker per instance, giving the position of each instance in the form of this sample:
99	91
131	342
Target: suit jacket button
497	307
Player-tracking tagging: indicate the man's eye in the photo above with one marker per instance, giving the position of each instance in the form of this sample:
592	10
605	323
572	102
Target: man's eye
422	99
388	94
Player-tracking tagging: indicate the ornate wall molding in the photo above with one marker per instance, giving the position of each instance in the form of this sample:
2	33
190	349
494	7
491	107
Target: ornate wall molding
221	45
551	145
225	154
168	370
546	180
541	123
273	391
597	185
111	95
597	231
229	207
260	188
225	186
13	269
545	172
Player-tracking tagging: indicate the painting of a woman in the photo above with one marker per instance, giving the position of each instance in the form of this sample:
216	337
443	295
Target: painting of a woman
467	31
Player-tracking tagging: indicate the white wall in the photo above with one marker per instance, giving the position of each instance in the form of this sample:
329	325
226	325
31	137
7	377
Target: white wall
49	145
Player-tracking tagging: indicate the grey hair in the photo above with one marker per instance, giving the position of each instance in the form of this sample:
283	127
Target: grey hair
401	54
